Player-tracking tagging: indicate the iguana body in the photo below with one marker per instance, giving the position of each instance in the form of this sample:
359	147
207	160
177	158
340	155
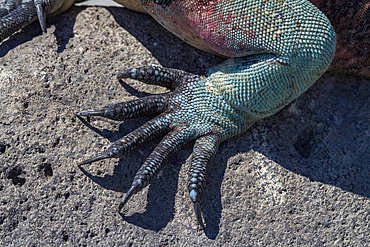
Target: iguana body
279	48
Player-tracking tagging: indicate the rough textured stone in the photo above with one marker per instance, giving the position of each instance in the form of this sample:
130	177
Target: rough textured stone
300	177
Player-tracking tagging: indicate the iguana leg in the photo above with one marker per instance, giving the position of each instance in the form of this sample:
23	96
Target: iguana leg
16	14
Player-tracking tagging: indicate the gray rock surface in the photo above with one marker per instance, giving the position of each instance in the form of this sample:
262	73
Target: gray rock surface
301	177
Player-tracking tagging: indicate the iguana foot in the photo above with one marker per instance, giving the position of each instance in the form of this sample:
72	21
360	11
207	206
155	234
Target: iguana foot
187	113
16	14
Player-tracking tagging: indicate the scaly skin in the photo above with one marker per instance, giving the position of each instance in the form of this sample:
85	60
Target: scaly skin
278	49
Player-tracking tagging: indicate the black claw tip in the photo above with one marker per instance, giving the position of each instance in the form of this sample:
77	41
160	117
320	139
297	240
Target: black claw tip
132	191
90	113
131	73
97	158
121	75
41	15
198	214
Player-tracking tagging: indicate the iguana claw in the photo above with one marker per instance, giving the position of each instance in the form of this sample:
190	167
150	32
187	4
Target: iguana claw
41	14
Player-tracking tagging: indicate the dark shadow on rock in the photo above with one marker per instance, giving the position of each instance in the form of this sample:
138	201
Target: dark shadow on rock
104	133
211	203
64	24
161	199
133	91
331	146
157	40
